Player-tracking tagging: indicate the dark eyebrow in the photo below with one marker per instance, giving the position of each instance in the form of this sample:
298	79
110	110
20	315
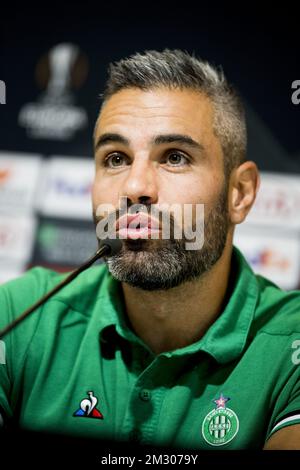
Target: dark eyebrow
109	138
179	139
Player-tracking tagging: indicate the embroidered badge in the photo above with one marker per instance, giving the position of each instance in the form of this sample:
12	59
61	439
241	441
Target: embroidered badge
221	425
88	408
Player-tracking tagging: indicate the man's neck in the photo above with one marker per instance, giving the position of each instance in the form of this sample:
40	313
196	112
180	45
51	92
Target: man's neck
177	317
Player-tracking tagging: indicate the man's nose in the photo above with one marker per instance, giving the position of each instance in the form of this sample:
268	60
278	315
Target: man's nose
141	185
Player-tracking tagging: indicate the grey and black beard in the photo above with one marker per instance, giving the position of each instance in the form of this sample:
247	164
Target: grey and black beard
163	264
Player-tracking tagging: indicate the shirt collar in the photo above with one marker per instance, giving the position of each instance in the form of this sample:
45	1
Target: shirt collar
225	339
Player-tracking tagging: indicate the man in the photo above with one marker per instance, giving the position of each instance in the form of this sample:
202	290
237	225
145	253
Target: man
161	345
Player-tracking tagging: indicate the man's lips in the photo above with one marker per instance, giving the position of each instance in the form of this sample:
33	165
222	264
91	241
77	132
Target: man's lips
135	226
135	221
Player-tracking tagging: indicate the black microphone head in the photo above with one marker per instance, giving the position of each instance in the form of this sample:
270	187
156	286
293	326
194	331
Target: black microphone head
114	245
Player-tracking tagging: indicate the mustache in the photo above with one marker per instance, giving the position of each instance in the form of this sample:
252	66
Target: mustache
114	216
175	222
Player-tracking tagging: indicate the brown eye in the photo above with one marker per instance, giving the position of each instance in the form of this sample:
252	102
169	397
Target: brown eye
177	159
115	160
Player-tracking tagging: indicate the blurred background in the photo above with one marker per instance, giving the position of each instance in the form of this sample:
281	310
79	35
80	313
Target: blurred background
53	62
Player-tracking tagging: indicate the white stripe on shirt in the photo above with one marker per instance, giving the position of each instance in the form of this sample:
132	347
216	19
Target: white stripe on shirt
285	420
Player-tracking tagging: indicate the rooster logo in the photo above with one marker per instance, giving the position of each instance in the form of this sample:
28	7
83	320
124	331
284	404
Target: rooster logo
88	408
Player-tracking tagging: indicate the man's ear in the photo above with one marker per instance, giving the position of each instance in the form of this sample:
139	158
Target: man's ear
243	187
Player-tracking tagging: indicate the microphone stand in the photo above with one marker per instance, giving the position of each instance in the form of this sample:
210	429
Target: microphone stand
107	248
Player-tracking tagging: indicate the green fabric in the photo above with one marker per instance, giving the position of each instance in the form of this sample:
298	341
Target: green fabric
80	342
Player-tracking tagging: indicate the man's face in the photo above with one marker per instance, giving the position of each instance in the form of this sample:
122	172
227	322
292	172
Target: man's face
158	147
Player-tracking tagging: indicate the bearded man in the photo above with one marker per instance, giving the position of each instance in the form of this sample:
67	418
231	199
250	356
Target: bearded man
162	344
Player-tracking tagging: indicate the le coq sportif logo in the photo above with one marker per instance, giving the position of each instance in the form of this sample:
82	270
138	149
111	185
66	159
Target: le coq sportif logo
2	92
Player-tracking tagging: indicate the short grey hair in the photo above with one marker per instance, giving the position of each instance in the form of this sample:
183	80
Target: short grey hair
179	69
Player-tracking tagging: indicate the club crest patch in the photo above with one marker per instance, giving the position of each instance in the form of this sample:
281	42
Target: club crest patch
88	408
220	425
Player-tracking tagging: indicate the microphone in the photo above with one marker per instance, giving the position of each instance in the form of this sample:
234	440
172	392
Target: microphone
107	247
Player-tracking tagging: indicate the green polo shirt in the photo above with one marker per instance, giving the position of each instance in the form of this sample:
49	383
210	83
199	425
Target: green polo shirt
75	366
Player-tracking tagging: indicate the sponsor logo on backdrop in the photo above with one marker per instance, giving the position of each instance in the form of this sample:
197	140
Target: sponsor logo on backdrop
4	175
266	258
55	115
63	243
278	202
272	253
2	92
19	177
68	181
16	238
67	188
269	237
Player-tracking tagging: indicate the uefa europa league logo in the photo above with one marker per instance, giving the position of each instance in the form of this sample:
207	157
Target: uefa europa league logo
55	115
2	92
61	60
